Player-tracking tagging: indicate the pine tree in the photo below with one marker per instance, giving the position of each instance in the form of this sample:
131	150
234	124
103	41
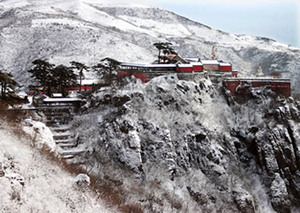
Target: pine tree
106	68
80	67
165	48
6	81
51	77
43	73
63	77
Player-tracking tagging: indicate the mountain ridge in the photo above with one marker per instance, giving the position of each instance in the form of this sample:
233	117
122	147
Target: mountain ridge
88	31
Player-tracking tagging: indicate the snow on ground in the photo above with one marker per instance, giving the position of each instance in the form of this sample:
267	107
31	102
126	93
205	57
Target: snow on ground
14	3
40	133
170	84
29	182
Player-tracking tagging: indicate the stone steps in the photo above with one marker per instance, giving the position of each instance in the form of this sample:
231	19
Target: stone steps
65	146
61	137
68	156
71	153
58	120
64	141
60	128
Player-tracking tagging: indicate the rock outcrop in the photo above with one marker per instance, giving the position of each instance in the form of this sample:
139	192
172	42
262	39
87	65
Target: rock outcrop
183	141
272	136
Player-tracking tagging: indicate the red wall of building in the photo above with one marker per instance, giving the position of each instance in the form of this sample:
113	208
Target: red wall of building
225	68
279	87
141	76
197	68
234	74
231	86
184	69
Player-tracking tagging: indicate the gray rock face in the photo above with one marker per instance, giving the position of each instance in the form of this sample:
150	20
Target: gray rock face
244	200
279	195
183	138
274	141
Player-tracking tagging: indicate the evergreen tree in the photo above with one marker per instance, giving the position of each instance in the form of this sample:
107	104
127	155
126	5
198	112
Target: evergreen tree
6	81
80	67
43	73
52	78
165	48
63	77
106	68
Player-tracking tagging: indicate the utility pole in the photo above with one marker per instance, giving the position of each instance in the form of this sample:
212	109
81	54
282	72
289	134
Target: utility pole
213	52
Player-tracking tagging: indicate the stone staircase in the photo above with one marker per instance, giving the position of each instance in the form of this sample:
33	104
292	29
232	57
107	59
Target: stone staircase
57	119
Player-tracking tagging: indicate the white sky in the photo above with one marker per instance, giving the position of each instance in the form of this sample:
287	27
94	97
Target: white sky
276	19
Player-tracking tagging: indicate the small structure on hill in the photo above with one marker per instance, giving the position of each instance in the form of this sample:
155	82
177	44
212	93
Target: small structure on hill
52	102
56	100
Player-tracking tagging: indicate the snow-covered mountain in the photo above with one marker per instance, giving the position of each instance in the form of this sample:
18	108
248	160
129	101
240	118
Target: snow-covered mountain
88	30
169	145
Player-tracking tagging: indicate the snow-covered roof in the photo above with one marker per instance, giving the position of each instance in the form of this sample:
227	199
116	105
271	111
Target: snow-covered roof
192	59
49	100
88	81
224	64
185	65
159	65
57	95
22	94
132	64
40	96
196	63
148	65
210	62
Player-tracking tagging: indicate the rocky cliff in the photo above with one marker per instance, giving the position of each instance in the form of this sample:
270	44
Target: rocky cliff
187	146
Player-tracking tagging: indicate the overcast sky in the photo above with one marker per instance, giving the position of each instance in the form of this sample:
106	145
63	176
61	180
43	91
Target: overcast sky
276	19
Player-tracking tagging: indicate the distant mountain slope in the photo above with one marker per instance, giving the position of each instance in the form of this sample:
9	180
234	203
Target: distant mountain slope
88	30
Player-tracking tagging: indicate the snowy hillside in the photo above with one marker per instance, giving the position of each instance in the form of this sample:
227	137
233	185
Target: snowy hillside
89	30
30	182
